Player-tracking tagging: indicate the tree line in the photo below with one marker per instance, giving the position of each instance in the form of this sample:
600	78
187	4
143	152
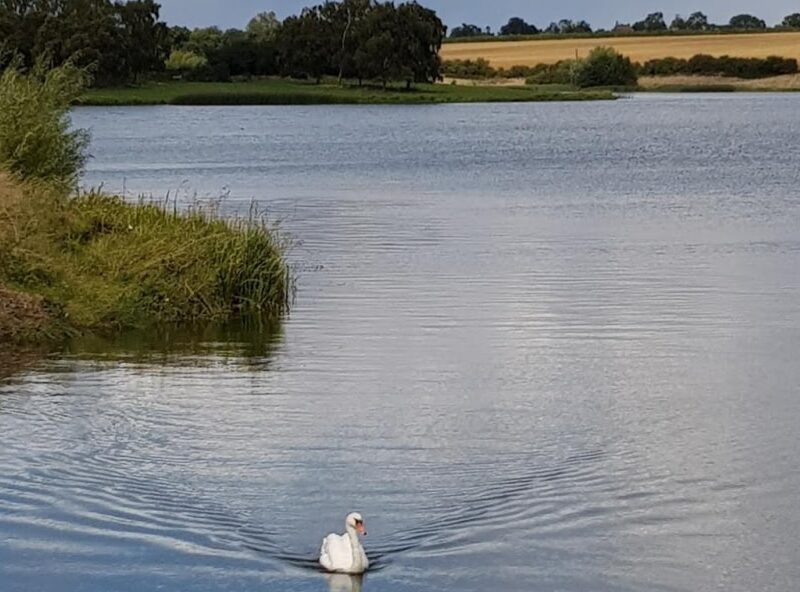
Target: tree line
364	40
563	72
119	41
652	23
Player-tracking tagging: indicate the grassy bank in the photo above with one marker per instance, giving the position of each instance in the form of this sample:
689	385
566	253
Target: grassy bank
94	263
284	92
73	263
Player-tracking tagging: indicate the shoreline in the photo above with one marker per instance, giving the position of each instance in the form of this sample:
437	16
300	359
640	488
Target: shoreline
283	92
452	91
662	84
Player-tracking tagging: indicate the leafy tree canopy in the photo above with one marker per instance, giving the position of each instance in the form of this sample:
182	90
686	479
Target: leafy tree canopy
517	26
792	20
264	26
747	21
652	22
466	30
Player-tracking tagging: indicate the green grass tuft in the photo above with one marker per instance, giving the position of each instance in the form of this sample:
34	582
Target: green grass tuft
36	141
103	264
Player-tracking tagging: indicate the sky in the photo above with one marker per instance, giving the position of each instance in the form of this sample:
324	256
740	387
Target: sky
600	13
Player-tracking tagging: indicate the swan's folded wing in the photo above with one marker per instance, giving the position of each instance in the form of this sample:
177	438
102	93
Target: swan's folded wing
364	559
335	553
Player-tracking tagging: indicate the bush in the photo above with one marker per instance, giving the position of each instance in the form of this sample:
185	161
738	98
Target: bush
35	137
184	61
664	67
479	68
558	73
518	72
604	67
706	65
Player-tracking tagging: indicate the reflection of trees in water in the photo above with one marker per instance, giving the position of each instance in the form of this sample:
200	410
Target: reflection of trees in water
251	343
344	583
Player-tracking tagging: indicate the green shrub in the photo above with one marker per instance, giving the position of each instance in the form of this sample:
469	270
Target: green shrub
604	67
664	67
479	68
35	137
558	73
518	72
707	65
184	61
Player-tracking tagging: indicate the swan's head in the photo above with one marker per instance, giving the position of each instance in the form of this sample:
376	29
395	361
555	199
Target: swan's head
356	522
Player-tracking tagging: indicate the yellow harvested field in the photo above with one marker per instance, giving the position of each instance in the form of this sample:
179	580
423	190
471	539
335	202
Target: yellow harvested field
639	49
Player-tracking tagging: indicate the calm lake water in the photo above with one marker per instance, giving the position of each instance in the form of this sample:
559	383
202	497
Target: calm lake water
539	347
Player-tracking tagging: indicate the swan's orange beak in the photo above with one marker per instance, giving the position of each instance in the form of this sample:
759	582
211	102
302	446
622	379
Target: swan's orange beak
361	530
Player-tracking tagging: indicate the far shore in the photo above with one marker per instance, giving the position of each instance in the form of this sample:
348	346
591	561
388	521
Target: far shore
286	92
451	90
788	83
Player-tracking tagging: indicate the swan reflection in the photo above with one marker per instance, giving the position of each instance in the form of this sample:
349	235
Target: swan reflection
344	583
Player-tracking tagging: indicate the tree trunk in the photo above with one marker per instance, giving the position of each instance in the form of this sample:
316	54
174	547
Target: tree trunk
344	45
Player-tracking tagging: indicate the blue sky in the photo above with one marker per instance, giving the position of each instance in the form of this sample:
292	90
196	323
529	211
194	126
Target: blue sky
600	13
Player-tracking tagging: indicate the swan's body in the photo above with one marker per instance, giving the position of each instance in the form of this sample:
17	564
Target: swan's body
343	553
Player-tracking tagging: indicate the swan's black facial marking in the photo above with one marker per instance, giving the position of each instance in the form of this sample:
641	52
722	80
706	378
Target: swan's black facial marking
359	522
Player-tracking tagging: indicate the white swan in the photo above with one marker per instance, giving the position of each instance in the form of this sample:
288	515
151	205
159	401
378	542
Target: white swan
344	553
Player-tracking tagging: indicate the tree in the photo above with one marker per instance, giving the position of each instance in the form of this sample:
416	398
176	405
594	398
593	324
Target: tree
145	39
652	22
517	26
20	20
792	21
581	27
263	27
303	48
376	57
342	24
747	21
697	21
363	39
604	67
419	37
85	32
678	23
204	41
466	30
178	36
119	41
566	26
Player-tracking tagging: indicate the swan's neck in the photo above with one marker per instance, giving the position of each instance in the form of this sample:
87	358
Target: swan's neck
355	546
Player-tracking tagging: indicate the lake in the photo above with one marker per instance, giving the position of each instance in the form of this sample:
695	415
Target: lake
537	346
